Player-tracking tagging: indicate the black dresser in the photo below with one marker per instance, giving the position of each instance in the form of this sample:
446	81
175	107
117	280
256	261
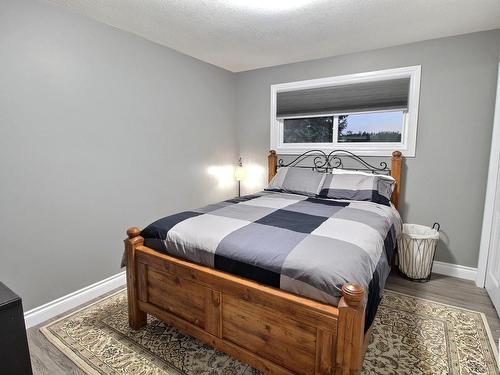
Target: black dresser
14	352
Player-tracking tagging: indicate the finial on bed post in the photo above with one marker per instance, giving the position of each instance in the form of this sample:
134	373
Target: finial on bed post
353	294
396	173
133	232
272	162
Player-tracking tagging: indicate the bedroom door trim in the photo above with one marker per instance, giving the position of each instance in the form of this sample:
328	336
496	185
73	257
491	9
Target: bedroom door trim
491	189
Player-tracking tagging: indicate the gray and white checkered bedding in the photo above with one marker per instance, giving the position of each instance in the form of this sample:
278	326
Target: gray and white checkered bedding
307	246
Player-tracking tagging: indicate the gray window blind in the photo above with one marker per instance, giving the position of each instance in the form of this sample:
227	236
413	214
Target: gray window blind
391	94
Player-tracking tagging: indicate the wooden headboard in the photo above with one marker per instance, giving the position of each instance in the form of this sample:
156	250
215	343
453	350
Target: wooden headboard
320	161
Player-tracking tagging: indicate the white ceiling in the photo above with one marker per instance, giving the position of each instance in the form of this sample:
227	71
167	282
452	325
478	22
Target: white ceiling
241	35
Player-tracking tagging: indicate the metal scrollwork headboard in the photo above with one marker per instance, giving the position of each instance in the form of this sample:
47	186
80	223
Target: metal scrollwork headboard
322	162
325	162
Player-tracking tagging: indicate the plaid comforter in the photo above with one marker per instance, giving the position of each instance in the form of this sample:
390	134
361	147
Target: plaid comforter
307	246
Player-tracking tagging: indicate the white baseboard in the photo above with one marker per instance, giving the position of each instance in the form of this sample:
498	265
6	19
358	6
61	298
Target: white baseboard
53	308
455	270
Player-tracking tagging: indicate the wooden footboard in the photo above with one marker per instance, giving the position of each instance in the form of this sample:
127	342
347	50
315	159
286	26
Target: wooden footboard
272	330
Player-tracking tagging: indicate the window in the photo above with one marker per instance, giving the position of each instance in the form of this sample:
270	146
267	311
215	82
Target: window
308	130
369	113
371	127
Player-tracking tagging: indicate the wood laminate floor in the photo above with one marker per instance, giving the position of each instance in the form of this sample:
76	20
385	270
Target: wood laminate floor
46	359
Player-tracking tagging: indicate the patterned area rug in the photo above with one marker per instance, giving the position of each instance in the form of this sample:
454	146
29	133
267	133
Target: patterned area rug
411	336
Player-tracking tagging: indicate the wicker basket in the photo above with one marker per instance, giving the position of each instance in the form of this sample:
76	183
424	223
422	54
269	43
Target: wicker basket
416	250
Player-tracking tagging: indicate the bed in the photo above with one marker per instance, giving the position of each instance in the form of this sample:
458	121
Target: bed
263	307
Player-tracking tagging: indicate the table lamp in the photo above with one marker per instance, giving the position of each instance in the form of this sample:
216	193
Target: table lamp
239	175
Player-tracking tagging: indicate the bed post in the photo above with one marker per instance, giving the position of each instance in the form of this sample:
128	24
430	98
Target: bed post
136	317
350	331
396	173
272	162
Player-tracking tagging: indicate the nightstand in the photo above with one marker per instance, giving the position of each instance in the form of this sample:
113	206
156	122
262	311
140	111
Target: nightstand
14	349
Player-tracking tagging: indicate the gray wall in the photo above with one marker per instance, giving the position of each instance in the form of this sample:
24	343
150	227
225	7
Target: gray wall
446	180
100	130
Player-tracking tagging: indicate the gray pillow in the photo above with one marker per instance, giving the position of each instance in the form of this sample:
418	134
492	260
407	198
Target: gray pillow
358	187
297	180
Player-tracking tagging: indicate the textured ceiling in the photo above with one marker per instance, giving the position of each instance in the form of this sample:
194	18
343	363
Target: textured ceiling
237	36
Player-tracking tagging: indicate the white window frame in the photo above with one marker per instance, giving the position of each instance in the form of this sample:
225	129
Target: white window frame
409	131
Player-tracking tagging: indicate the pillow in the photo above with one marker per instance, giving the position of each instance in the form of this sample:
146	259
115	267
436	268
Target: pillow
351	171
358	187
297	180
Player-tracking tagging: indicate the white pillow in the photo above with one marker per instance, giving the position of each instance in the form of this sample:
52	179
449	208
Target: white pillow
363	173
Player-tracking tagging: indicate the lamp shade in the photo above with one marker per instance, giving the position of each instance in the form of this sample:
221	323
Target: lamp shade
240	173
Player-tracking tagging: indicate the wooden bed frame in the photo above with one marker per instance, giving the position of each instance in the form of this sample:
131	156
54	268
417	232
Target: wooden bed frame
274	331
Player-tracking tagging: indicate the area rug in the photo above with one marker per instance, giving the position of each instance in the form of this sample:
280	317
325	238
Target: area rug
411	336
